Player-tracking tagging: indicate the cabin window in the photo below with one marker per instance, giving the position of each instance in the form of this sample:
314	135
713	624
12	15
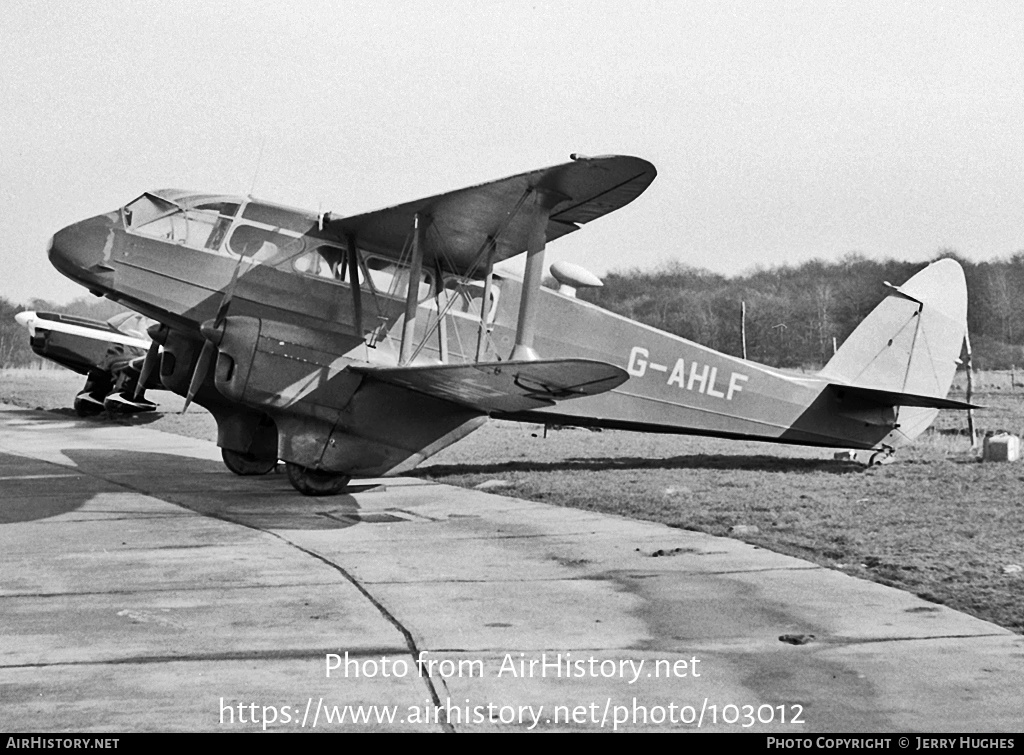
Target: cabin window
465	297
392	279
326	262
262	245
312	263
132	324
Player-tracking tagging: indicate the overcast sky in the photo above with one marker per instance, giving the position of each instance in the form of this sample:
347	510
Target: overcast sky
781	131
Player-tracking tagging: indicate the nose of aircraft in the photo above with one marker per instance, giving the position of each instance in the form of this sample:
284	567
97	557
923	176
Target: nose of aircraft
82	251
24	318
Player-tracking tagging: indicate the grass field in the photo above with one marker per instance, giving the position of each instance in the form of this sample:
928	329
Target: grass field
938	523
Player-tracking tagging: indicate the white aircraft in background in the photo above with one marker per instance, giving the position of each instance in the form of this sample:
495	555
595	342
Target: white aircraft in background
110	354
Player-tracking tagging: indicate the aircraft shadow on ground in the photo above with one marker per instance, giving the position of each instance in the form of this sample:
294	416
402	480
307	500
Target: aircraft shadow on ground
40	490
722	462
106	418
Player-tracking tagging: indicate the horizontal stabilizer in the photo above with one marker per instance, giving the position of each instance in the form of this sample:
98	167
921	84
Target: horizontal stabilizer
856	394
505	386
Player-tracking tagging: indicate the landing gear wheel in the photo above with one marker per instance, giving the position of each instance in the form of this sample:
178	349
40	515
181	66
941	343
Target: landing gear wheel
246	464
315	481
87	406
879	458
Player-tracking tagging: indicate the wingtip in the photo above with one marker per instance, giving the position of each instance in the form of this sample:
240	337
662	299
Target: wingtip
646	165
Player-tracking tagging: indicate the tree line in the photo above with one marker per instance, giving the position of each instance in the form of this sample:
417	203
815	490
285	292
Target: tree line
792	313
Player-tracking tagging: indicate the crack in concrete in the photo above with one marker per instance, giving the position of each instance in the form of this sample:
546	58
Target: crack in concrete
412	648
446	725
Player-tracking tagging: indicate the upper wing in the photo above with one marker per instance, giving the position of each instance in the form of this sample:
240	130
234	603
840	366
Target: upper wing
505	386
460	222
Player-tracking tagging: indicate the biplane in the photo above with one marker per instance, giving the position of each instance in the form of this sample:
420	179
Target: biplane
358	346
110	354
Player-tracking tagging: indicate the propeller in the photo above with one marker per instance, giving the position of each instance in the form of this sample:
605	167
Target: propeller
147	368
209	346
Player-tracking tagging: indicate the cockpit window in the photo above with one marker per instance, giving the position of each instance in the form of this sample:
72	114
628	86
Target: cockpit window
278	217
147	209
202	226
131	323
226	209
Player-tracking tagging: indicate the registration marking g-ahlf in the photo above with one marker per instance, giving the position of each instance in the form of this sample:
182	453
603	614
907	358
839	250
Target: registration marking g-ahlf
703	378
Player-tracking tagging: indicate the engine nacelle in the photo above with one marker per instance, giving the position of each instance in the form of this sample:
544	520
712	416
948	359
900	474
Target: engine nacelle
236	352
274	366
177	361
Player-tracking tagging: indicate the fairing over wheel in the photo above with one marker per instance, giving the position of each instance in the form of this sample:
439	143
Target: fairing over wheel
316	482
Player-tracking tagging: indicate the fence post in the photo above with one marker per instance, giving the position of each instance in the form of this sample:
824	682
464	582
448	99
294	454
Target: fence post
743	327
970	391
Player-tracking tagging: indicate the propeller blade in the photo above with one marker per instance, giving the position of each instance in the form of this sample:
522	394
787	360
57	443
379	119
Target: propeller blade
209	347
202	367
148	364
229	292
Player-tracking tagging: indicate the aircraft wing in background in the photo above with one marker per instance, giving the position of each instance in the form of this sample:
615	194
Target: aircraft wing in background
109	353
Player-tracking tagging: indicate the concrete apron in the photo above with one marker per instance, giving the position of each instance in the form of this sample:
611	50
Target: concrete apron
143	587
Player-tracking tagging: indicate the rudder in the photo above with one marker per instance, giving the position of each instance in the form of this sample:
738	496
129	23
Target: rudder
910	343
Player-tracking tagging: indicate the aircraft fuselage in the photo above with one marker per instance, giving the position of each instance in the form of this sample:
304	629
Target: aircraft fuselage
297	318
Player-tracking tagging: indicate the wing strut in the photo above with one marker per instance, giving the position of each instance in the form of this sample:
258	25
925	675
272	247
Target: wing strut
489	248
527	325
353	277
485	304
412	296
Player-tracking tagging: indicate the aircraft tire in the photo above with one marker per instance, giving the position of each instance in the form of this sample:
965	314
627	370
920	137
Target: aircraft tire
881	457
247	465
315	482
87	408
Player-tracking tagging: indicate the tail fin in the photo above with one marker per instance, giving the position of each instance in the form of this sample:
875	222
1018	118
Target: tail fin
909	344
